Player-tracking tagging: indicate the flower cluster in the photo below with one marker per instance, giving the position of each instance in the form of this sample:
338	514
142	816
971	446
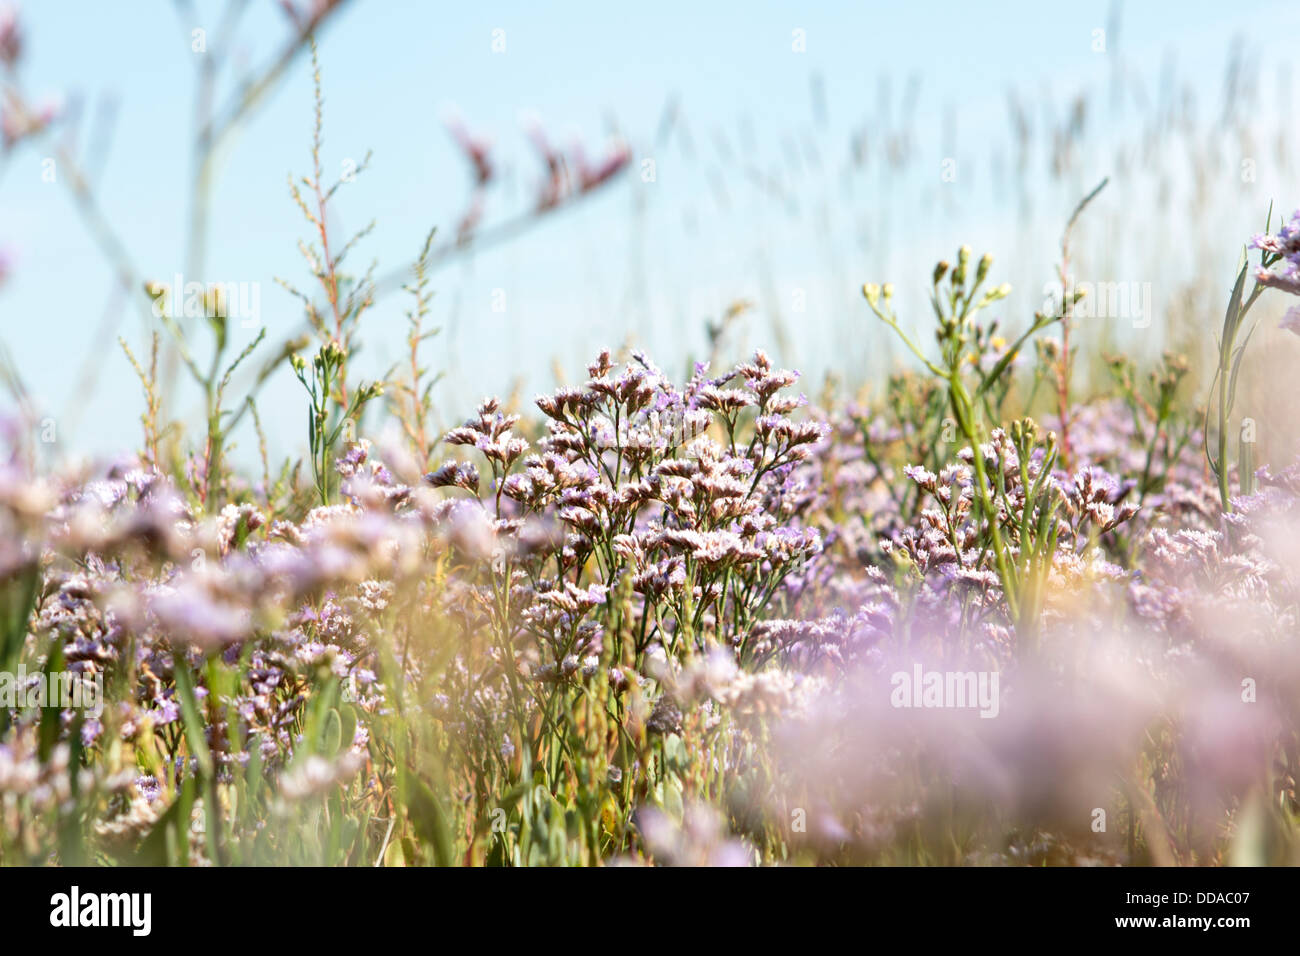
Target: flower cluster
652	621
1281	266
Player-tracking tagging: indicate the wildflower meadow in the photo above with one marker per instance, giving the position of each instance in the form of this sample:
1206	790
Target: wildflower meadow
1018	594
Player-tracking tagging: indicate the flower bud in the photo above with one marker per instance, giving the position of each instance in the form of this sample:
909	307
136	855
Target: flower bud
993	295
963	260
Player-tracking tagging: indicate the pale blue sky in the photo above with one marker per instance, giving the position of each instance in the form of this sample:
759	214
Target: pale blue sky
646	261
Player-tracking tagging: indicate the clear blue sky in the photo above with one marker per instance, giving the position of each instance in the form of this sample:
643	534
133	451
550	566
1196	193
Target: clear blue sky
645	261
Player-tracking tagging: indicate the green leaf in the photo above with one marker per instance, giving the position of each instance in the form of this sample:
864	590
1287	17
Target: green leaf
1233	314
51	719
428	819
17	599
672	798
1236	366
332	734
194	726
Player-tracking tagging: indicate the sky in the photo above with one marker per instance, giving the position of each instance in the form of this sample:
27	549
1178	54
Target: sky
752	196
